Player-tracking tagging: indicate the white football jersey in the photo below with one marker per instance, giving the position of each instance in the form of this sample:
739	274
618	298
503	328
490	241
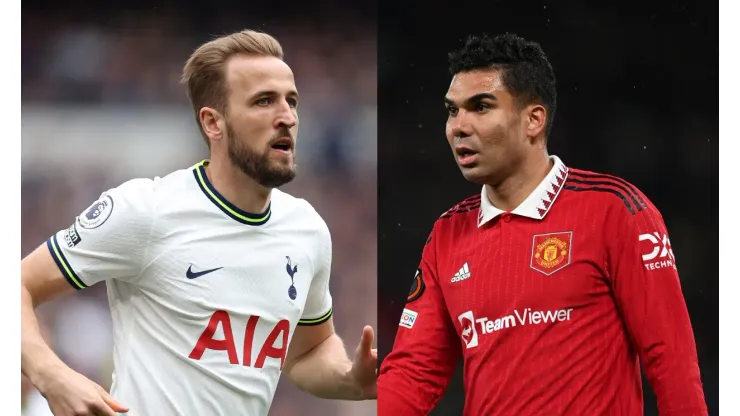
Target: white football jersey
204	297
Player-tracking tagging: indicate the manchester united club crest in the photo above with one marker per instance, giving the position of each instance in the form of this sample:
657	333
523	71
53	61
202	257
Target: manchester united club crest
551	252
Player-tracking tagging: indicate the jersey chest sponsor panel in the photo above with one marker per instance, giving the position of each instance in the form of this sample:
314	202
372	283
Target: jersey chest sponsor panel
257	284
524	276
219	337
536	301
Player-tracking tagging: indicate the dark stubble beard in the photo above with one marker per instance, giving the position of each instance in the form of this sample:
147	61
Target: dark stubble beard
256	165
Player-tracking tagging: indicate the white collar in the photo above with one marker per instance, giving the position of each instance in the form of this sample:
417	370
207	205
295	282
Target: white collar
537	204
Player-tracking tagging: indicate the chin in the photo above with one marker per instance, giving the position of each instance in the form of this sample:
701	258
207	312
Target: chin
474	174
283	166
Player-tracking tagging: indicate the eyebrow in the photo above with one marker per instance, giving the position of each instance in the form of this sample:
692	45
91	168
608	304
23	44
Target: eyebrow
263	93
473	99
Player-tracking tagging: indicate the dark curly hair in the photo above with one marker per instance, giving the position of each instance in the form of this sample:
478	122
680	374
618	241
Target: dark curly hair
526	72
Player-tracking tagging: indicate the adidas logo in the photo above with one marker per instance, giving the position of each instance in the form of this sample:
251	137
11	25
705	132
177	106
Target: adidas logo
461	274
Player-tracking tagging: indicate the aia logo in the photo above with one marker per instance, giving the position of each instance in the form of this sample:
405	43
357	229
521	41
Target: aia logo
468	333
278	334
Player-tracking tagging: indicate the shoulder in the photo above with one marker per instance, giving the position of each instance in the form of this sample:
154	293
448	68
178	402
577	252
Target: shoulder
624	205
124	208
466	209
133	196
611	190
462	214
299	210
149	189
135	189
138	199
467	205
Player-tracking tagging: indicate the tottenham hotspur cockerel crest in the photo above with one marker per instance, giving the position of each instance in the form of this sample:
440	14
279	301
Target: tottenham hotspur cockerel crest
292	270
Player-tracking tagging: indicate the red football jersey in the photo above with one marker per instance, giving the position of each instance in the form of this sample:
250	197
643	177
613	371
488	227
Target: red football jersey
551	307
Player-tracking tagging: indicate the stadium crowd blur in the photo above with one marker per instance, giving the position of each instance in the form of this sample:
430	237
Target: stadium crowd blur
622	109
91	79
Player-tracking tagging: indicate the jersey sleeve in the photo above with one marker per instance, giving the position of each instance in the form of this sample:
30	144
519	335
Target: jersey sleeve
648	293
109	239
318	307
415	374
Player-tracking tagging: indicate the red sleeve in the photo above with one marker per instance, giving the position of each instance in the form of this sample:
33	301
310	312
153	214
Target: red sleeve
415	374
648	294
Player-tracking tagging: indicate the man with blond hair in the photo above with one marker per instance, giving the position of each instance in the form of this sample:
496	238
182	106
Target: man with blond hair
211	272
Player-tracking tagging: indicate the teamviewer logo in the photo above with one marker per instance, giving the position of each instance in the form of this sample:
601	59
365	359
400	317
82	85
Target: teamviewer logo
467	329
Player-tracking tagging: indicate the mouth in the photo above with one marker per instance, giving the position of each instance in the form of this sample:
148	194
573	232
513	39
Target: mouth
465	155
283	144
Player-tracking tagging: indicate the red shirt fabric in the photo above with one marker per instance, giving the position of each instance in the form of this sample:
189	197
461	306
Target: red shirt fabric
551	307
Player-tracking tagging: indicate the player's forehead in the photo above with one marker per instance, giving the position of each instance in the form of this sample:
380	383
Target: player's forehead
468	84
247	75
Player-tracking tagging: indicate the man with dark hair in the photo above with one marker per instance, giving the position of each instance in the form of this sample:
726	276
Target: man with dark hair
553	284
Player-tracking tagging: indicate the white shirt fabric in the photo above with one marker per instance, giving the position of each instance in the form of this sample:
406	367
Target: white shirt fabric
204	297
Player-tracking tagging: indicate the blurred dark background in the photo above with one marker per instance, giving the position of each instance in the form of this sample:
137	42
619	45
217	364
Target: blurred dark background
102	104
637	98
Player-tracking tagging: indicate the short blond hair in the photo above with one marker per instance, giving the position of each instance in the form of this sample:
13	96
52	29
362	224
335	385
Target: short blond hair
204	73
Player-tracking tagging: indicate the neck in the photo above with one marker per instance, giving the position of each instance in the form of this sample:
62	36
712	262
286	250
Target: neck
238	188
512	191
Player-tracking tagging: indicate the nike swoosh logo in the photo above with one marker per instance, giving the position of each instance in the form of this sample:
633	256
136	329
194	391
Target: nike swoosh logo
193	275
